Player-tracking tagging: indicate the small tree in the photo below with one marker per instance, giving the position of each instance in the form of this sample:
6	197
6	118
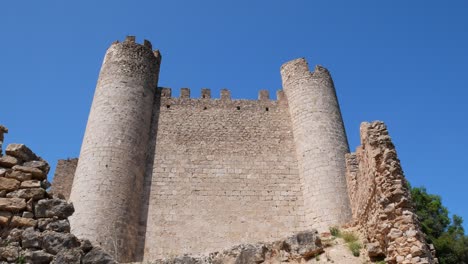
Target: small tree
448	236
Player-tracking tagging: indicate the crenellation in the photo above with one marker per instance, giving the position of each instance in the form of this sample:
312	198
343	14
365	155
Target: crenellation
131	39
165	92
263	95
205	93
147	44
225	95
184	92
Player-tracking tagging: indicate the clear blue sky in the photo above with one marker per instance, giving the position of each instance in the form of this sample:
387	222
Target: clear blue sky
403	62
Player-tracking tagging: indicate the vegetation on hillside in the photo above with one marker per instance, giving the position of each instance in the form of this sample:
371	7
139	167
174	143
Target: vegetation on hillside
447	235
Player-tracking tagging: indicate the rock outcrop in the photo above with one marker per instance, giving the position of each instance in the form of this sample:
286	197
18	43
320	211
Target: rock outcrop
33	223
381	200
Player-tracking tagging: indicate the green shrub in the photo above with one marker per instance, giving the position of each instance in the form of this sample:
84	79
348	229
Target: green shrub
355	248
335	231
349	237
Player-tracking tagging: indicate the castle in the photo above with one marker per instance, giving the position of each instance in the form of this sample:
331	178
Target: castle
161	176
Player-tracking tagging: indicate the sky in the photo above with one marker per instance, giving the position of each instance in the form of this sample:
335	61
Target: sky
402	62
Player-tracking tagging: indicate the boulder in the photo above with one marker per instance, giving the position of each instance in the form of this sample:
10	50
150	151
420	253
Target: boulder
31	238
304	244
39	164
53	207
9	161
97	256
12	204
69	256
18	221
53	242
20	151
35	172
33	193
8	184
19	175
37	257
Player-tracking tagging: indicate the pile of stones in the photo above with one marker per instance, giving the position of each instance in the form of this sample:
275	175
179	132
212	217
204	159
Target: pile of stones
295	249
33	222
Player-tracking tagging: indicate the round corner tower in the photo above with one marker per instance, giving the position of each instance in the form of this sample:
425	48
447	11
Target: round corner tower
321	143
109	176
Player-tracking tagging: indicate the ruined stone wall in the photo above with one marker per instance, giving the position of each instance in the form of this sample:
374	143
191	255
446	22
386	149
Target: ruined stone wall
225	172
63	177
381	201
33	222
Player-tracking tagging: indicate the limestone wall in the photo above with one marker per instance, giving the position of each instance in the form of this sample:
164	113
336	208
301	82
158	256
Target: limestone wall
225	172
63	177
381	201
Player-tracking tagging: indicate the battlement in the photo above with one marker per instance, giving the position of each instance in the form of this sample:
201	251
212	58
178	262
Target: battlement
298	69
225	95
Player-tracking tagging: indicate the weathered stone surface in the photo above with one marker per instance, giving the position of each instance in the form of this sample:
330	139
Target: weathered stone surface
18	221
20	151
295	249
305	244
69	256
4	218
9	253
32	193
9	161
8	184
54	207
39	164
98	256
381	200
30	184
3	171
59	226
12	204
31	238
35	172
53	242
38	257
19	175
63	177
28	215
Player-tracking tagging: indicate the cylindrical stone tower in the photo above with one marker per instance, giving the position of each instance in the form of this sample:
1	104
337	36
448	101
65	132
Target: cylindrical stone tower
109	176
321	143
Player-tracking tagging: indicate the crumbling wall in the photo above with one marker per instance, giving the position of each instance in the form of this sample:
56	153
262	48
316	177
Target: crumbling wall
63	177
381	201
33	223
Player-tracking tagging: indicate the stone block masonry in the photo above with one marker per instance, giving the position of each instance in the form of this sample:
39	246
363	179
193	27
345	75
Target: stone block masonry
63	177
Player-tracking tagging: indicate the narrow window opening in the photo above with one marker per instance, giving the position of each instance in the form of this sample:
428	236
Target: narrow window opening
238	108
204	108
168	106
203	96
266	109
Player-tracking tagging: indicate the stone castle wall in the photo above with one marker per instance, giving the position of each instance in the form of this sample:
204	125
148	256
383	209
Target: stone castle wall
381	200
63	177
224	170
159	176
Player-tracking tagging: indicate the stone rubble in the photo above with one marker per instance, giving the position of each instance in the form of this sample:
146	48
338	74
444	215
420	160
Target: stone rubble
33	223
295	249
381	200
